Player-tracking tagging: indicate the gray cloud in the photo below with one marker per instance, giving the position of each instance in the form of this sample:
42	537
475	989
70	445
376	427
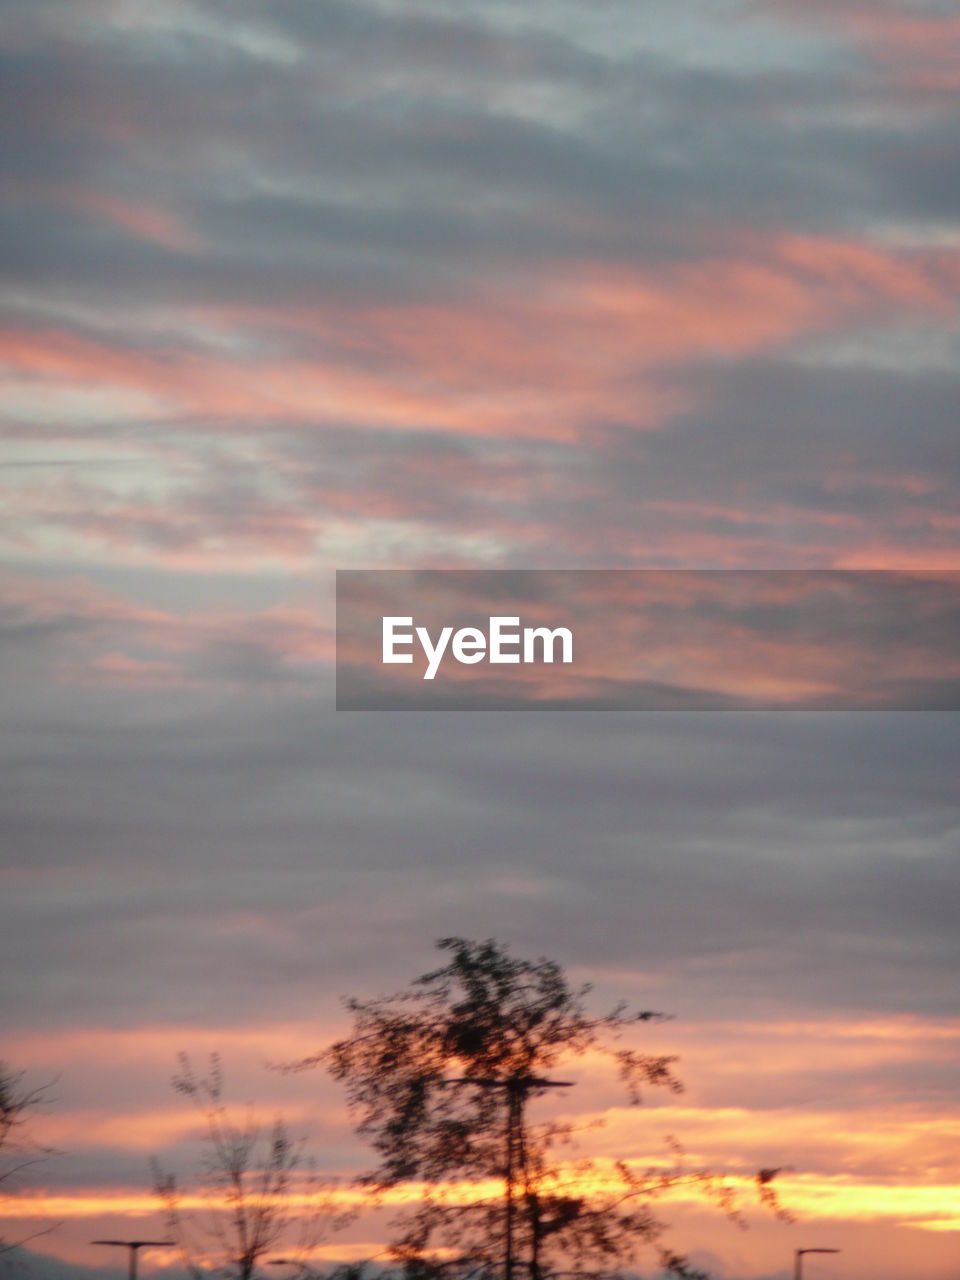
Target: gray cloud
188	834
641	840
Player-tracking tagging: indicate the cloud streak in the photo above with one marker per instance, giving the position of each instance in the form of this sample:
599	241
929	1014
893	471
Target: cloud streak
293	287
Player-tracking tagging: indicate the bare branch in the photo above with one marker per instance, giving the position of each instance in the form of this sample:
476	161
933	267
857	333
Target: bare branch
269	1195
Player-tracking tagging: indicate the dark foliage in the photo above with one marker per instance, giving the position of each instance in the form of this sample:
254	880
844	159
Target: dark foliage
439	1078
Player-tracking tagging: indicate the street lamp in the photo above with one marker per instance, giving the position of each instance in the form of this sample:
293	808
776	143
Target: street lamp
798	1260
134	1246
516	1088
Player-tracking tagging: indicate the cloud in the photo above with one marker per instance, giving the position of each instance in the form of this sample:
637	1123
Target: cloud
293	287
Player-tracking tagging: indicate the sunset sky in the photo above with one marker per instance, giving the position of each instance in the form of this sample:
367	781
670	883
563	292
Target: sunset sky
300	285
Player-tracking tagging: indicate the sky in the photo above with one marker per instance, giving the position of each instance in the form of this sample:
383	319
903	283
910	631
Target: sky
296	286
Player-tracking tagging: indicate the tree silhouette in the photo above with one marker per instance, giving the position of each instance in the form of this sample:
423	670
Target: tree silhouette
17	1150
263	1193
439	1078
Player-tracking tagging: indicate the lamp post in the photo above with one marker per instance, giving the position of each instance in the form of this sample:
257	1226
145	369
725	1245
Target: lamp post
134	1246
516	1088
798	1260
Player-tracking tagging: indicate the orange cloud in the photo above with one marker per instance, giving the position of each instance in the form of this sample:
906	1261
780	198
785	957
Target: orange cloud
583	342
916	51
160	645
145	222
870	1160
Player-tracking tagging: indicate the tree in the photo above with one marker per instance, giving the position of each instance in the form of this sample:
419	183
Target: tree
264	1196
17	1149
439	1078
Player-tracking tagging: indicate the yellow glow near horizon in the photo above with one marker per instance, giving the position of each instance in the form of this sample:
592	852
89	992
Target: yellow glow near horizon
836	1197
